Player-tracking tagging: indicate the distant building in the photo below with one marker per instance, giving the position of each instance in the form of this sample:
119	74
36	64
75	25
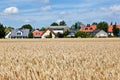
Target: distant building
59	29
18	33
37	34
88	28
110	30
47	33
101	34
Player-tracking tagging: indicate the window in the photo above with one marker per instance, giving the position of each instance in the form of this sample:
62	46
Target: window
90	28
86	28
19	33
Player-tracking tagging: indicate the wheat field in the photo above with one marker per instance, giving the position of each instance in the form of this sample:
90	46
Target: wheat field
60	59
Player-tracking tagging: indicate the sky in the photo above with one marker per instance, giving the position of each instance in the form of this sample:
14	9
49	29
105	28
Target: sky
41	13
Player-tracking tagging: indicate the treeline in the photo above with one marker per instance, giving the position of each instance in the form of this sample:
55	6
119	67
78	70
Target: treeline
75	27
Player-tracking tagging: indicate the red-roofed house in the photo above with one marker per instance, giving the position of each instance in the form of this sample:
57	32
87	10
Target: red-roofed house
110	29
37	34
88	28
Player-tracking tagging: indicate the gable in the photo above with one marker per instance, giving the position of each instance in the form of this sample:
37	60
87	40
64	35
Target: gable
37	33
19	32
101	32
47	32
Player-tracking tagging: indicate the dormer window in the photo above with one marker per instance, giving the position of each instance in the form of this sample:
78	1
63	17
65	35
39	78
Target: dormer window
19	33
86	28
90	28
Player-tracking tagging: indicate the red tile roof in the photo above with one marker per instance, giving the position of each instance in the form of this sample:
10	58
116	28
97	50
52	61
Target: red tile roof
37	33
118	26
110	28
88	28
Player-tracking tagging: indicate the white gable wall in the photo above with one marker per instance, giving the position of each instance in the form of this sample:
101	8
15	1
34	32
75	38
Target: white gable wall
47	33
102	34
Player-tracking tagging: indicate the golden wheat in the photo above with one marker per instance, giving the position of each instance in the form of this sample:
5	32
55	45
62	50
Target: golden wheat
60	59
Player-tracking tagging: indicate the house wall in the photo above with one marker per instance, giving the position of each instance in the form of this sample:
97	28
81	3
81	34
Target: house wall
47	33
101	34
58	31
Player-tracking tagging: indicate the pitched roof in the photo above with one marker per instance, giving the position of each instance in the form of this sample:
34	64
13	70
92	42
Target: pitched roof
96	31
58	27
37	31
110	28
25	32
50	31
118	26
89	28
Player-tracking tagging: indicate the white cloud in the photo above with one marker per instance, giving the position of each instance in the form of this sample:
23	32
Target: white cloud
27	21
63	13
46	8
59	20
45	1
115	8
11	10
103	9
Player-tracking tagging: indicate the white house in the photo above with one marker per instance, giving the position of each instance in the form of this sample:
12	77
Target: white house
101	34
58	29
47	33
8	35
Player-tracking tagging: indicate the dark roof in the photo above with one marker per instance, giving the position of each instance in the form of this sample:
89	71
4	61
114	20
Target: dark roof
25	32
96	31
50	31
65	28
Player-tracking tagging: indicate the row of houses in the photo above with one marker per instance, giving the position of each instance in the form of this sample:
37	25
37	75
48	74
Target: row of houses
24	33
54	30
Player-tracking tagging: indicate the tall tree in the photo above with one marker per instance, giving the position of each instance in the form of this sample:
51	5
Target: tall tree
103	26
42	29
94	23
27	26
115	30
77	25
2	31
54	24
62	23
50	35
8	29
66	33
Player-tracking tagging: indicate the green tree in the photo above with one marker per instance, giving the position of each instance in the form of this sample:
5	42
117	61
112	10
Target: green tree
94	23
54	24
30	35
82	34
50	35
8	29
60	35
66	33
77	25
27	26
115	30
42	29
62	23
2	31
103	26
